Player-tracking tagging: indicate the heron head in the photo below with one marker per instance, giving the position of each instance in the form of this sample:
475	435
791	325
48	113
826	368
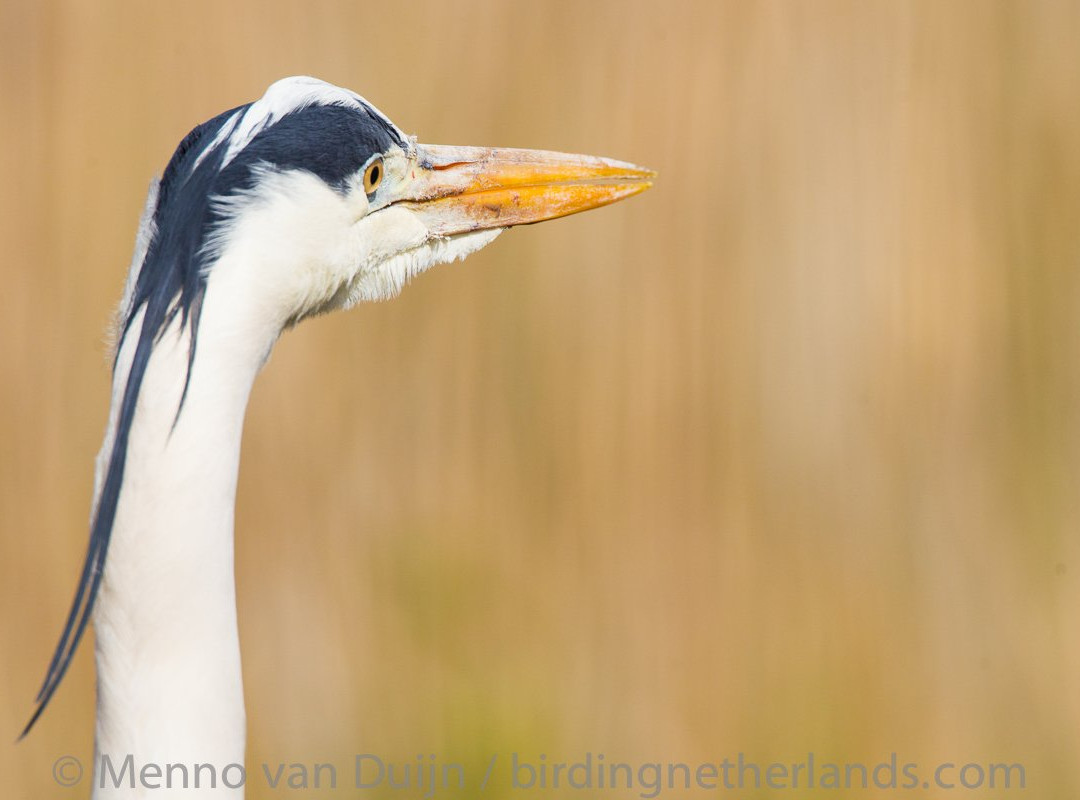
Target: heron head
318	201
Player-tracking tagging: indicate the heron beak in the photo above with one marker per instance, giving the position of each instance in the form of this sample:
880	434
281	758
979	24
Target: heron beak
460	189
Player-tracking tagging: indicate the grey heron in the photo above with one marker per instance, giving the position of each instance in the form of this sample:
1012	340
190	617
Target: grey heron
302	202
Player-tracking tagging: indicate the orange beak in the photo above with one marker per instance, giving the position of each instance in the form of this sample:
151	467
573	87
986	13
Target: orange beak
460	189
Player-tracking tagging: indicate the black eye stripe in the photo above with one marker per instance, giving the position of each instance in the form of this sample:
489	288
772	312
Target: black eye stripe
332	142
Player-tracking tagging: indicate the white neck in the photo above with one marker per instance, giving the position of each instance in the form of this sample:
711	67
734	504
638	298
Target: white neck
167	648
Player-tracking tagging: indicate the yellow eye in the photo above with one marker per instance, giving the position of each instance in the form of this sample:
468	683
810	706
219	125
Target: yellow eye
373	176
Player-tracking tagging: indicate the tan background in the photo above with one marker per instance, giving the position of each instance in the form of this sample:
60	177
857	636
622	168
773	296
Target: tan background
781	457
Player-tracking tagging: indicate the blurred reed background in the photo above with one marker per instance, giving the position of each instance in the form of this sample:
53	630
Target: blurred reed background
780	457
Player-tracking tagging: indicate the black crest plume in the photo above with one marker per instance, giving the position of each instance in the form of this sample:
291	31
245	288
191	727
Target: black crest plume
170	282
331	139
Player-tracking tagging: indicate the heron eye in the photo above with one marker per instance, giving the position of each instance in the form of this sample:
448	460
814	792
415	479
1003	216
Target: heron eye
373	176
